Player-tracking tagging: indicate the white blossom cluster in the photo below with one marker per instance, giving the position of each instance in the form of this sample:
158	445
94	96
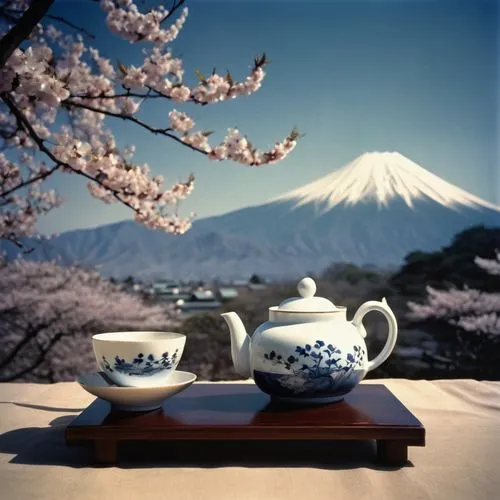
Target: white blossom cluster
60	76
468	309
492	266
20	213
125	19
238	148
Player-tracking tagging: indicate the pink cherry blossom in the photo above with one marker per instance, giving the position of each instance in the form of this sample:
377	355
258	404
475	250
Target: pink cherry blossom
237	148
134	78
468	309
492	266
180	121
180	94
129	106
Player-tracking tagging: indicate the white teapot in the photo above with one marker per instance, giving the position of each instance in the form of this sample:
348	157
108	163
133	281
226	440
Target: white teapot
308	352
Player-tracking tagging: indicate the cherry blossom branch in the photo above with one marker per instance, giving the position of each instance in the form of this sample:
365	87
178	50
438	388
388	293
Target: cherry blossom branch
234	146
41	145
152	93
146	95
162	131
32	180
23	28
491	266
14	240
38	360
30	334
148	217
62	20
469	311
23	122
175	6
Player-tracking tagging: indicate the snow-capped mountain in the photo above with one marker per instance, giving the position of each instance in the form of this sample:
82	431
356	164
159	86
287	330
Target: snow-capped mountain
375	210
382	177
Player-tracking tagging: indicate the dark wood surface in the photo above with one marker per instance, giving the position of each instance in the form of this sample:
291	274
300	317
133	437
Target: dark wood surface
241	412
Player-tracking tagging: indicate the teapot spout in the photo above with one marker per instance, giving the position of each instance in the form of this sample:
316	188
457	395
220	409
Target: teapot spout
240	344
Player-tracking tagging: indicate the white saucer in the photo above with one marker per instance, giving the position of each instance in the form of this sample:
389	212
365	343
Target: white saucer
135	398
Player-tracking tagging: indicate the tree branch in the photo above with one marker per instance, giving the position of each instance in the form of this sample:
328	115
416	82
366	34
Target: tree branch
38	177
37	362
161	131
21	31
71	25
30	334
148	95
116	96
43	351
171	12
39	142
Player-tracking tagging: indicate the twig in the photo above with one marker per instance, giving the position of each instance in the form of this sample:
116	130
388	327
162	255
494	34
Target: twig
40	143
30	334
161	131
38	177
71	25
171	12
161	94
15	241
38	361
148	95
116	96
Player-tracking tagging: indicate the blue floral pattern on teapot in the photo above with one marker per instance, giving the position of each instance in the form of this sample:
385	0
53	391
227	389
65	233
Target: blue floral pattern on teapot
329	371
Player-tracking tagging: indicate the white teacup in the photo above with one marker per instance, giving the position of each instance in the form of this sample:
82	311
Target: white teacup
138	359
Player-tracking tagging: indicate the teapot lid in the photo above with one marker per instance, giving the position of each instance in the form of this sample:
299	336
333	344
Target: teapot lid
307	302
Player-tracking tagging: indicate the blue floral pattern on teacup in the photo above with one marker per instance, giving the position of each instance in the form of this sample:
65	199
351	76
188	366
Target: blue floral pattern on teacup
142	365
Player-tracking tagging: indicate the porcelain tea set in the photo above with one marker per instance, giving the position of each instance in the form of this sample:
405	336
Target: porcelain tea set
306	353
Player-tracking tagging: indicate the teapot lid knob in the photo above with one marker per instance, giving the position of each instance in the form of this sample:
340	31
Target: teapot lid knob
306	302
306	287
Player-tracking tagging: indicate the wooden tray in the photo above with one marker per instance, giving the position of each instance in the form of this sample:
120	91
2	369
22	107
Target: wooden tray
242	413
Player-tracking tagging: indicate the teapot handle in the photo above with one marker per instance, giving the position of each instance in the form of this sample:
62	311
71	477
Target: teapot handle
383	308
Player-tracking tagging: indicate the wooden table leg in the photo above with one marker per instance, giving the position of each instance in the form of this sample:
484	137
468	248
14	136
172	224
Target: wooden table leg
105	451
392	452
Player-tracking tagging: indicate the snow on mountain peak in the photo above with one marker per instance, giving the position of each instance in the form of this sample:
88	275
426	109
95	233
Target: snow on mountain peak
381	177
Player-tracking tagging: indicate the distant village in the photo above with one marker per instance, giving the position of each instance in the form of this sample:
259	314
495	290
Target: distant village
194	297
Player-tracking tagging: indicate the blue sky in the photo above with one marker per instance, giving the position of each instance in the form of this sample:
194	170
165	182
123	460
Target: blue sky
418	77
